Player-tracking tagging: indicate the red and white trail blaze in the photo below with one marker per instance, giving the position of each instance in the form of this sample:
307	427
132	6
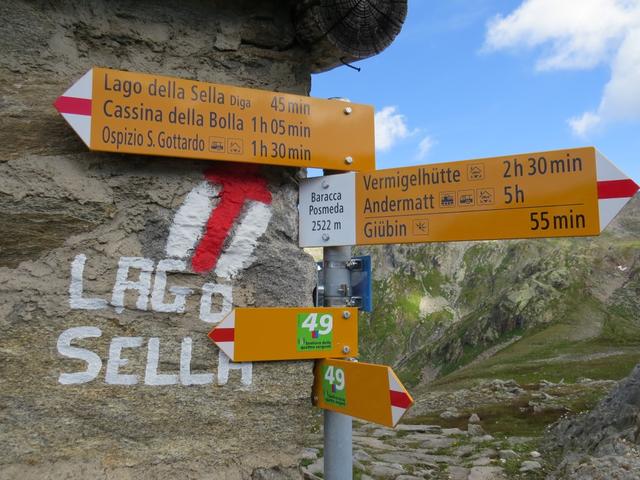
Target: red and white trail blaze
202	226
400	399
614	189
75	106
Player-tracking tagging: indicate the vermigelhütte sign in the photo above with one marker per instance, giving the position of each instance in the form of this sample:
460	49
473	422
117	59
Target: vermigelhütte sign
562	193
127	112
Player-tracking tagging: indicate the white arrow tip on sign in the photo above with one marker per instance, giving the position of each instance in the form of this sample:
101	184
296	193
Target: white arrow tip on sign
75	106
615	189
224	334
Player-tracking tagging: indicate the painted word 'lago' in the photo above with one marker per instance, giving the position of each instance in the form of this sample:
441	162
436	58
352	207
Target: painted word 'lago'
126	112
562	193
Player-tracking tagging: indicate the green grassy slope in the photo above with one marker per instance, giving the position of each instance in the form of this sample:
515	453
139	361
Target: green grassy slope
562	308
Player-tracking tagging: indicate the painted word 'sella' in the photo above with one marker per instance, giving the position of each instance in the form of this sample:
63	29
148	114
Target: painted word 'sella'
151	291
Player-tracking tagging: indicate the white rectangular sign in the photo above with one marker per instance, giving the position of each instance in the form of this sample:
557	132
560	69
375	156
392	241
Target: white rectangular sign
327	211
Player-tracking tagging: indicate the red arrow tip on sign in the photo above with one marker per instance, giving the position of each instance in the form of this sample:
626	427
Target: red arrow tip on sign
224	334
615	189
75	106
399	398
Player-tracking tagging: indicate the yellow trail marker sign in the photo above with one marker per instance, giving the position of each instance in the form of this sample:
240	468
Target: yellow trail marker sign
363	390
562	193
127	112
260	334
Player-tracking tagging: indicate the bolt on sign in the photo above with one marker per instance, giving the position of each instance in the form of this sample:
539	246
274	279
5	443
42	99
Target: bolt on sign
562	193
362	390
260	334
128	112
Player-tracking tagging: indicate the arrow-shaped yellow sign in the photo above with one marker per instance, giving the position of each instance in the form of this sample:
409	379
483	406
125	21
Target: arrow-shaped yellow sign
363	390
260	334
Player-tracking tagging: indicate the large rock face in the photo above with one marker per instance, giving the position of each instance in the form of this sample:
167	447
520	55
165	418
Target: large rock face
602	443
105	367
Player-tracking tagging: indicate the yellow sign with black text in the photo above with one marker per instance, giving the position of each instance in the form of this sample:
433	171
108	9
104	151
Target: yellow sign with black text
562	193
127	112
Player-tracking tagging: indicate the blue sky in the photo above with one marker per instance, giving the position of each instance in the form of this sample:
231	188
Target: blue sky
486	78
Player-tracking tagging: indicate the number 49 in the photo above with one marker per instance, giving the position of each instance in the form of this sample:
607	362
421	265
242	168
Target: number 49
311	322
335	376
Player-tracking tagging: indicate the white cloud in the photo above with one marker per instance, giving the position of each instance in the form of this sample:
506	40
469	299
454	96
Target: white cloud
390	127
584	123
581	34
425	146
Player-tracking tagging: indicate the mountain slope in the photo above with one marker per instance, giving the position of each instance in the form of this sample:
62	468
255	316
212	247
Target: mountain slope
528	309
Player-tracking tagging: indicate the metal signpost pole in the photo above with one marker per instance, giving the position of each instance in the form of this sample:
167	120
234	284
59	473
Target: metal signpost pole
338	457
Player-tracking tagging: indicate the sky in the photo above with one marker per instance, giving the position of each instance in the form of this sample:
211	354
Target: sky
498	77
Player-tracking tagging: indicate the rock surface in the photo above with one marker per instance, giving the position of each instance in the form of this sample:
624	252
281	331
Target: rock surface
403	455
100	381
605	442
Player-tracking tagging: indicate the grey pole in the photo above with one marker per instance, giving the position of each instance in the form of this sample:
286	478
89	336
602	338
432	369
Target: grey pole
338	448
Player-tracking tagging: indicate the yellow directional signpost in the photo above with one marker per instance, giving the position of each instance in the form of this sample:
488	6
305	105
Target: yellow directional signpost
260	334
363	390
128	112
562	193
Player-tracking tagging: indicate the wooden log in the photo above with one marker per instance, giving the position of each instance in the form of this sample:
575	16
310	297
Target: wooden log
342	31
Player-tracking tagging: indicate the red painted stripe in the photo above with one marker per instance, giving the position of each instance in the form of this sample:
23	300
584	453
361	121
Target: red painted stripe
79	106
222	334
400	399
617	189
239	185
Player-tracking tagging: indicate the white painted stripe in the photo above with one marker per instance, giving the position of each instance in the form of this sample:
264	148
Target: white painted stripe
607	170
227	348
396	414
239	254
83	88
81	124
229	321
394	384
190	220
609	208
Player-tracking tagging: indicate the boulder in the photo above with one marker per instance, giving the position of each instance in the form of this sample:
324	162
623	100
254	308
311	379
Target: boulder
107	370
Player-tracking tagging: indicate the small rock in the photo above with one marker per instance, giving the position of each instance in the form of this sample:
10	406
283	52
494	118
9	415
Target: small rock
382	432
474	418
419	428
518	440
486	473
371	442
316	467
361	456
458	473
475	430
529	466
450	413
483	438
379	469
481	462
487	452
507	454
437	443
407	477
463	451
535	454
453	431
309	454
